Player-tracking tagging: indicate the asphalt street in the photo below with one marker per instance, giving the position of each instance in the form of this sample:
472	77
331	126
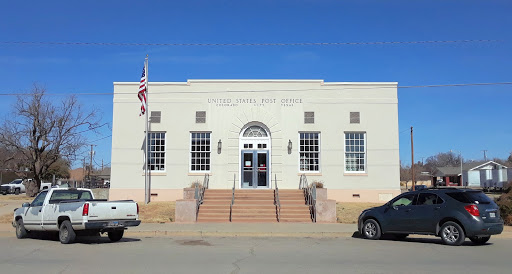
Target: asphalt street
251	255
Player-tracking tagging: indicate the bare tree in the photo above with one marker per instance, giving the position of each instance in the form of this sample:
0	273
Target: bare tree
44	131
406	173
442	160
509	160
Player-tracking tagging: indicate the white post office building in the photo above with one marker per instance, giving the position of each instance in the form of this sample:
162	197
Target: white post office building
254	133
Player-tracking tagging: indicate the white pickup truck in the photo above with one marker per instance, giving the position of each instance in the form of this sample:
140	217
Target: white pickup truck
72	210
16	187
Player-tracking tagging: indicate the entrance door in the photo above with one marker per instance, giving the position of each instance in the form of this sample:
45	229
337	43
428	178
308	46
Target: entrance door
255	169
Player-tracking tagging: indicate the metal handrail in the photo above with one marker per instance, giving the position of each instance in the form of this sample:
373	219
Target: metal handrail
303	183
199	193
310	195
277	202
232	198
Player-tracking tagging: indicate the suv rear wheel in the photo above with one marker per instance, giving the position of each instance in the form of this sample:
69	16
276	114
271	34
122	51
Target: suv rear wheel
452	234
480	240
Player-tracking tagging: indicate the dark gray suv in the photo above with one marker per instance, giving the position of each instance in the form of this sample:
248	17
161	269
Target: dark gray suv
452	214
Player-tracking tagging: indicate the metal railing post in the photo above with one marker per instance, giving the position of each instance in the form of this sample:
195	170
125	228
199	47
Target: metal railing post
276	199
232	198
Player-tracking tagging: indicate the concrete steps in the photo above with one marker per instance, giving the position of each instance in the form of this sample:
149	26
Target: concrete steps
215	207
293	206
253	206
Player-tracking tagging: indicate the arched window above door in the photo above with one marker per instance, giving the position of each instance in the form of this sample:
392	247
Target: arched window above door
255	131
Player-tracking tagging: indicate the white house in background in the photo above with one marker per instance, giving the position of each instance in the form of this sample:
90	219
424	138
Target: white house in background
251	134
487	174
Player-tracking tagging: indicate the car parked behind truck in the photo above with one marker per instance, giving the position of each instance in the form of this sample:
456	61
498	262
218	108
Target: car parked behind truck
15	187
72	210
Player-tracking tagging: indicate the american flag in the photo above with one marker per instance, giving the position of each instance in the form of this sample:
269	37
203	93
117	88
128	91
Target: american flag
142	91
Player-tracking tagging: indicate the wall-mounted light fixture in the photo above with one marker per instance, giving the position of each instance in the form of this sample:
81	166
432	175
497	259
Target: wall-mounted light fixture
289	146
219	146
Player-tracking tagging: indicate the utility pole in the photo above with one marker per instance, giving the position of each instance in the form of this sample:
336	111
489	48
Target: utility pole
90	164
485	157
412	162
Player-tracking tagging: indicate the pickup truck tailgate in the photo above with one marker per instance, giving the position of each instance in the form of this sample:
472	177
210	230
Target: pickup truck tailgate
112	210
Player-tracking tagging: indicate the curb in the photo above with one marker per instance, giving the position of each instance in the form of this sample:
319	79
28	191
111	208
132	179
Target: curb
163	234
239	234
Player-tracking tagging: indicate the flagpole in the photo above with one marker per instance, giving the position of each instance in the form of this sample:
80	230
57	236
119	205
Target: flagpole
146	173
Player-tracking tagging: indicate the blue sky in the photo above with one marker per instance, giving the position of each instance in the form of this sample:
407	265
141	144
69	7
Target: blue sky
467	119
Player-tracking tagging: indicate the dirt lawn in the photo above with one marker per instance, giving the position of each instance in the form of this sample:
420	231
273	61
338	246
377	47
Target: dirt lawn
157	212
348	213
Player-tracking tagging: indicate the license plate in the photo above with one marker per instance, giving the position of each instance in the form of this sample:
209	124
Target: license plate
114	223
492	214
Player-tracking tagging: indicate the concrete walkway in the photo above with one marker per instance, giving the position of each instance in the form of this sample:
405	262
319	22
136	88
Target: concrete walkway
242	230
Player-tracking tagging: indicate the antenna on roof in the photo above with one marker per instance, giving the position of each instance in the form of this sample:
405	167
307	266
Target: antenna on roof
485	157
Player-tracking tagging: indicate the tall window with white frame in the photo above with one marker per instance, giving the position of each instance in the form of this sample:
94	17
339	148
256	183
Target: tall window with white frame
309	151
355	152
200	150
156	151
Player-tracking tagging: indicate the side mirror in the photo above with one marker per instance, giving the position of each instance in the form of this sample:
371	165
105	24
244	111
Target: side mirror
25	205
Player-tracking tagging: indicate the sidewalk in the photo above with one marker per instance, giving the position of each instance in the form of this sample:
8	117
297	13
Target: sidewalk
268	230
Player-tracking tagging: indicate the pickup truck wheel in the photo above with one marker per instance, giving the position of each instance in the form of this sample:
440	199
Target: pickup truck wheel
115	235
21	232
66	233
17	191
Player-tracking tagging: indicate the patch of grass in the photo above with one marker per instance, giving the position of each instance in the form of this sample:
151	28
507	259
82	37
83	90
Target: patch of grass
157	212
21	197
154	212
6	219
348	213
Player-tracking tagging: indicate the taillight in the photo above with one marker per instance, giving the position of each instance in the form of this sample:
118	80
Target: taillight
473	210
85	211
137	208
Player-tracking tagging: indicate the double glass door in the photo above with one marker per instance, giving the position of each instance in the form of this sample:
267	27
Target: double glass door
255	169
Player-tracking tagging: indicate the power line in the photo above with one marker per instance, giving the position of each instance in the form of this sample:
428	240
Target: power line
266	90
101	139
243	44
92	128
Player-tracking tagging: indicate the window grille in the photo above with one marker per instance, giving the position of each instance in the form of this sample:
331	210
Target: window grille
309	151
155	117
355	152
156	151
200	117
309	117
354	118
200	150
255	131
